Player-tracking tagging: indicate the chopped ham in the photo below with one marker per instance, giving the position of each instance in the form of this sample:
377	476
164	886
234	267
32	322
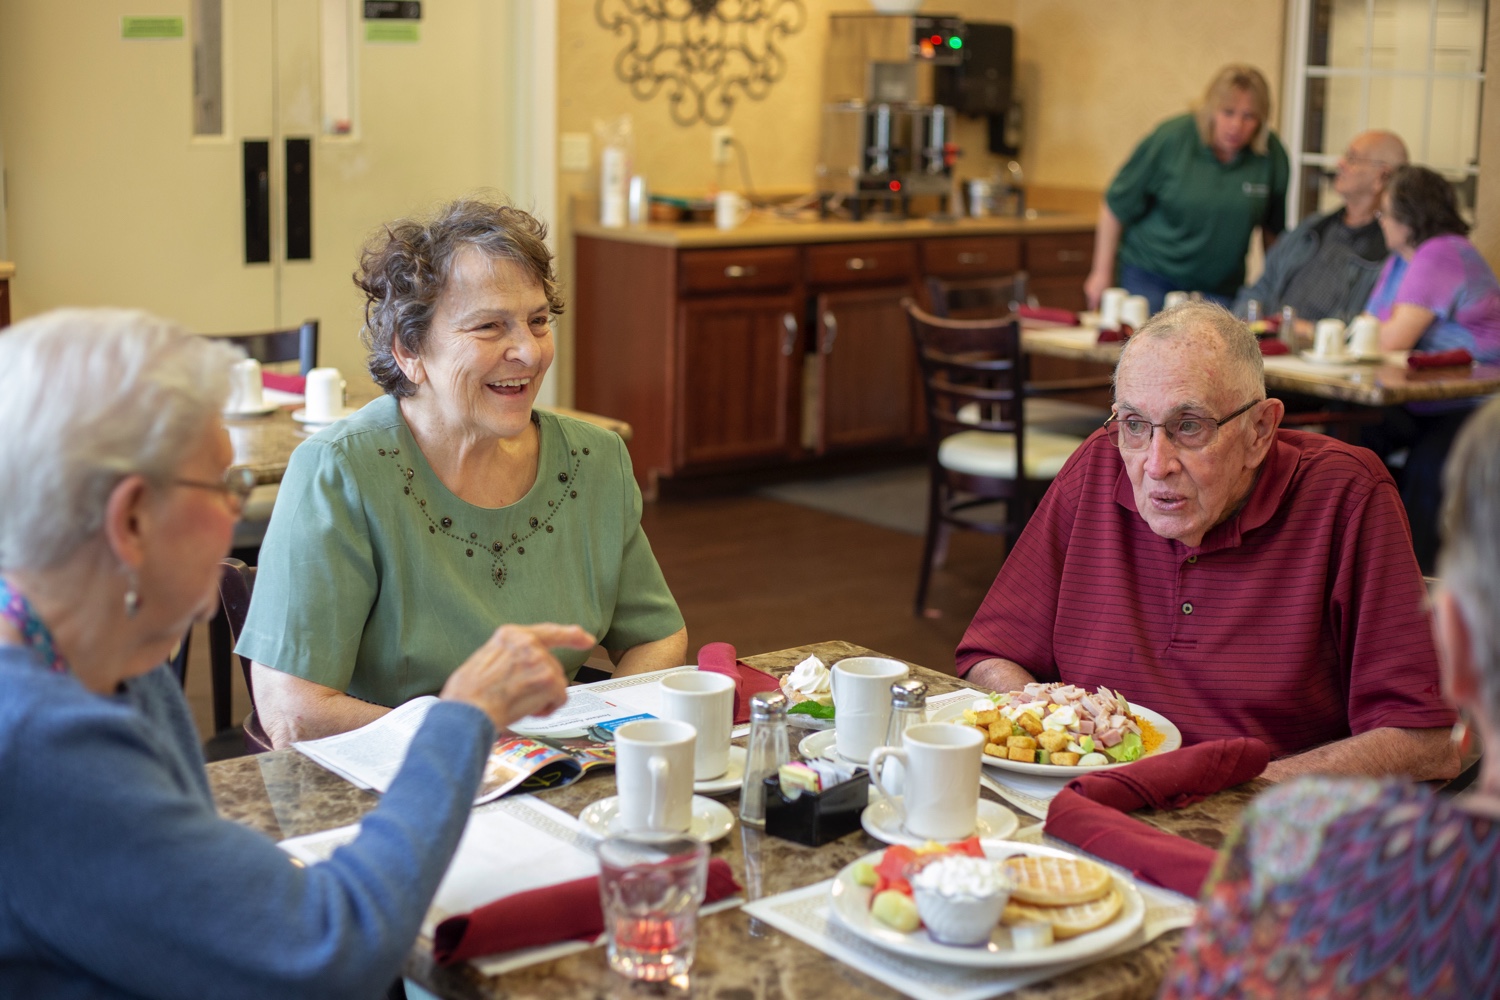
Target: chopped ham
1108	738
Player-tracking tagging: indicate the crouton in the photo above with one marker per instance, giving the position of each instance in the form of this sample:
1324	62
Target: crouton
1053	740
1021	743
1066	759
986	717
1030	722
1024	755
994	750
1000	731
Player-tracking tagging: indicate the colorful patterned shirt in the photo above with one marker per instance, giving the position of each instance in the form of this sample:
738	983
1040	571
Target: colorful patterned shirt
1449	277
1349	888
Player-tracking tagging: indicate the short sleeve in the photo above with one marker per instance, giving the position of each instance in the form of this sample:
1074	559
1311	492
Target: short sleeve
316	580
645	610
1280	174
1434	277
1133	191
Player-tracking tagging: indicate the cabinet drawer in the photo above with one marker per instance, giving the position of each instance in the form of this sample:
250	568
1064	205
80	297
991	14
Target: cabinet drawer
884	262
971	255
1059	253
734	270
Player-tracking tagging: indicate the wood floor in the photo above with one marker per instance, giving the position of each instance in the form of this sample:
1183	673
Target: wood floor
765	575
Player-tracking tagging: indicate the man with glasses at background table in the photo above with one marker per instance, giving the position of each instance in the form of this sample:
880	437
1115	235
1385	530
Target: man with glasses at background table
1241	579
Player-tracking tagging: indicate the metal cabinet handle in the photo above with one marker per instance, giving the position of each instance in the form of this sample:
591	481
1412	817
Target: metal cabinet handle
789	342
973	258
1072	256
860	263
831	324
739	271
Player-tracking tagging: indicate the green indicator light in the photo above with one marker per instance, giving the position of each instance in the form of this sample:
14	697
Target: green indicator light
955	42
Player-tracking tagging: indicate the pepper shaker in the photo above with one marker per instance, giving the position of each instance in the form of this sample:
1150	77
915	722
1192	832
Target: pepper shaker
769	749
1288	332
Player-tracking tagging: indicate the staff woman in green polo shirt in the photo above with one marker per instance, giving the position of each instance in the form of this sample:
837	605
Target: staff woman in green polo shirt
1179	214
405	534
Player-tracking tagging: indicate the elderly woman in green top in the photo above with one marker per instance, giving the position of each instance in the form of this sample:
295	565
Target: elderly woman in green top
1180	213
405	534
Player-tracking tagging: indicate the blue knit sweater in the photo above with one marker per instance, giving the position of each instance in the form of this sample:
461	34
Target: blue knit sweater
119	879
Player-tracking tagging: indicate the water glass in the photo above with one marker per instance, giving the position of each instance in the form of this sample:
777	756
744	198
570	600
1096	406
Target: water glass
650	891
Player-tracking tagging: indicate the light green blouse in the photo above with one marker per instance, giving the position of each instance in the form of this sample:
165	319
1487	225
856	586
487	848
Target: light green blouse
374	579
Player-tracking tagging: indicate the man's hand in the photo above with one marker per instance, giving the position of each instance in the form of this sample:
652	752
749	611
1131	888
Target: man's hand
514	674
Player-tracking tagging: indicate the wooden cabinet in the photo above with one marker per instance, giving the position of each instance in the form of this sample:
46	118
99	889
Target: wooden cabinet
1057	264
737	359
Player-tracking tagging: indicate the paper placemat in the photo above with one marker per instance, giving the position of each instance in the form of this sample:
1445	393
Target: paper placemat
805	914
1031	793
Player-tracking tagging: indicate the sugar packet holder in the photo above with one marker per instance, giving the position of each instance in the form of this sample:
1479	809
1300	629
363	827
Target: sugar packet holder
816	818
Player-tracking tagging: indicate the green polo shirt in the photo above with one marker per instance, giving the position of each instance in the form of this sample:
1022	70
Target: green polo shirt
374	579
1188	217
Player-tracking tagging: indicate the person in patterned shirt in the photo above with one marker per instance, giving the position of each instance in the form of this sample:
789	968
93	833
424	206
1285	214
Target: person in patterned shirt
1365	888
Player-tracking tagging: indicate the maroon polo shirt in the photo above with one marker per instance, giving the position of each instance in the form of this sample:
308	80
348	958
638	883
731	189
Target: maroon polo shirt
1298	621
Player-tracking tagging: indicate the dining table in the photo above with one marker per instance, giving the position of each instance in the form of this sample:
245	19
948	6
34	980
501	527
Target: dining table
1386	382
264	442
285	794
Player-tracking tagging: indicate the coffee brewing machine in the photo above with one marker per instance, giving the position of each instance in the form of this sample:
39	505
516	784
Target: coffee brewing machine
884	139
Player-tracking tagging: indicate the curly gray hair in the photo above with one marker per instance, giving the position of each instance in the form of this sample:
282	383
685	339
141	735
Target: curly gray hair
87	397
404	269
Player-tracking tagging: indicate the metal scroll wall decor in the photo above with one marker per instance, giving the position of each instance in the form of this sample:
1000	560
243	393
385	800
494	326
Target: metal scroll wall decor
704	53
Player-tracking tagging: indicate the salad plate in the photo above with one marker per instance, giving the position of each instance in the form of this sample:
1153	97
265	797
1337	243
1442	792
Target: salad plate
1171	740
850	903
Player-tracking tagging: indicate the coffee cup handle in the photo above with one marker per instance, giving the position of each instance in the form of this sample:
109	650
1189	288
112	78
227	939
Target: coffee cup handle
878	758
661	771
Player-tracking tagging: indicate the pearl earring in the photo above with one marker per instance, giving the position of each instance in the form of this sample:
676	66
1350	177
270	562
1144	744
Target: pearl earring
132	596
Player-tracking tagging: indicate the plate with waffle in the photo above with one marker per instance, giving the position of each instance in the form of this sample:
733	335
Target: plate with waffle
1061	908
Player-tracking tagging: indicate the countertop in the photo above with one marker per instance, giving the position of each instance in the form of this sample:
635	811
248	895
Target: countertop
7	270
763	230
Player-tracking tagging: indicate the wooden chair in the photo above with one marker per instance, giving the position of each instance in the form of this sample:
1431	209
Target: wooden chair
236	581
992	298
980	450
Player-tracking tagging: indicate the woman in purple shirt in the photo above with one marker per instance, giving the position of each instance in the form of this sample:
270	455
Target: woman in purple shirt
1436	293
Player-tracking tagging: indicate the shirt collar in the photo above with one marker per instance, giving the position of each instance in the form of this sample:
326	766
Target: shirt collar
1267	492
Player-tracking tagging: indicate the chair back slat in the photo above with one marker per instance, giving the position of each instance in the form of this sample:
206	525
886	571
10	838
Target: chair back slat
971	373
300	344
976	298
236	583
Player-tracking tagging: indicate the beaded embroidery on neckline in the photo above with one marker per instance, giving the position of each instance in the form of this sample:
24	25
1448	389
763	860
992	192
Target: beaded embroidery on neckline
15	609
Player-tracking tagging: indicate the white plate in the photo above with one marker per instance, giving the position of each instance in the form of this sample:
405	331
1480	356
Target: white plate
302	418
1319	359
824	744
730	780
880	821
1171	740
851	906
711	820
266	406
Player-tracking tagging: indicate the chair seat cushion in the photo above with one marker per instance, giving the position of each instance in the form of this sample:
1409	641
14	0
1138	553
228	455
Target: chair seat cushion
984	453
1062	416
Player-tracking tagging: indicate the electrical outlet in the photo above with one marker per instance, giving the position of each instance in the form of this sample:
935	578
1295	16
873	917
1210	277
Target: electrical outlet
721	139
575	152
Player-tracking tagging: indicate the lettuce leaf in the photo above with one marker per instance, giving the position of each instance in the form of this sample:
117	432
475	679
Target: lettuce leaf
816	709
1126	750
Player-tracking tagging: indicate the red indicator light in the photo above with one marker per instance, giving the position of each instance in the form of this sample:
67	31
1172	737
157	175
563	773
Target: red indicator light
937	39
895	185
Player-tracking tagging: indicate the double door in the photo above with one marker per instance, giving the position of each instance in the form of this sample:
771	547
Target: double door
127	187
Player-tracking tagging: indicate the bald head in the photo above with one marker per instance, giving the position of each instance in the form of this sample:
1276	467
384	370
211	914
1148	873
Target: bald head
1365	169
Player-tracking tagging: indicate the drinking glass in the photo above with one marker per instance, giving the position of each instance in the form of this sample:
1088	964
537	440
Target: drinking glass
650	891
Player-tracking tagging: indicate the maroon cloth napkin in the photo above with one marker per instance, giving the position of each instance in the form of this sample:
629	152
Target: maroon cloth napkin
570	911
1116	336
1047	314
1440	359
720	658
1270	345
1087	813
284	383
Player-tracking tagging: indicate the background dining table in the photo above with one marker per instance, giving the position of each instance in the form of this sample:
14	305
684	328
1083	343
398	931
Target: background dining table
284	794
264	443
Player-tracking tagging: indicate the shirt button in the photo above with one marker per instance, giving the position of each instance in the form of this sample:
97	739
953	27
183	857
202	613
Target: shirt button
1192	559
1187	608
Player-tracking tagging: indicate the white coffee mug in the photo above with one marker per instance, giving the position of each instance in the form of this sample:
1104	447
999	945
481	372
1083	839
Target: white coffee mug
941	767
246	389
1174	299
730	209
862	702
705	701
654	776
323	396
1136	311
1111	308
1364	338
1329	338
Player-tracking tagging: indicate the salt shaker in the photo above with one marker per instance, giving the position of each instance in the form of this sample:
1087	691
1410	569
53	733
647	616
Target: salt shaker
1288	332
769	749
908	708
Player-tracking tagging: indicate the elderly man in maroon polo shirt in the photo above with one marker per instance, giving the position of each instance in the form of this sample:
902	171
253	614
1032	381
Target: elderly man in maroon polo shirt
1241	579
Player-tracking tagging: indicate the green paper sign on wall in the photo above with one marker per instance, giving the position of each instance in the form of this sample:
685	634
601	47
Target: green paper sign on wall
138	27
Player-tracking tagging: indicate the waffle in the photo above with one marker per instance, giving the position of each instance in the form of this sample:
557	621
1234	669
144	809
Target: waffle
1067	921
1051	881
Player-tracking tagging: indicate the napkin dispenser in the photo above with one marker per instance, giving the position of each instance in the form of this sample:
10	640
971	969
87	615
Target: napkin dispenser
816	818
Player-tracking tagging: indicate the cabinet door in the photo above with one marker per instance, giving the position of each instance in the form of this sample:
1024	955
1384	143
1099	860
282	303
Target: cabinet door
866	371
740	359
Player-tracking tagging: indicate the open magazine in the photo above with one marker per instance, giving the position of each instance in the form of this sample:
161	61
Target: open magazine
538	753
